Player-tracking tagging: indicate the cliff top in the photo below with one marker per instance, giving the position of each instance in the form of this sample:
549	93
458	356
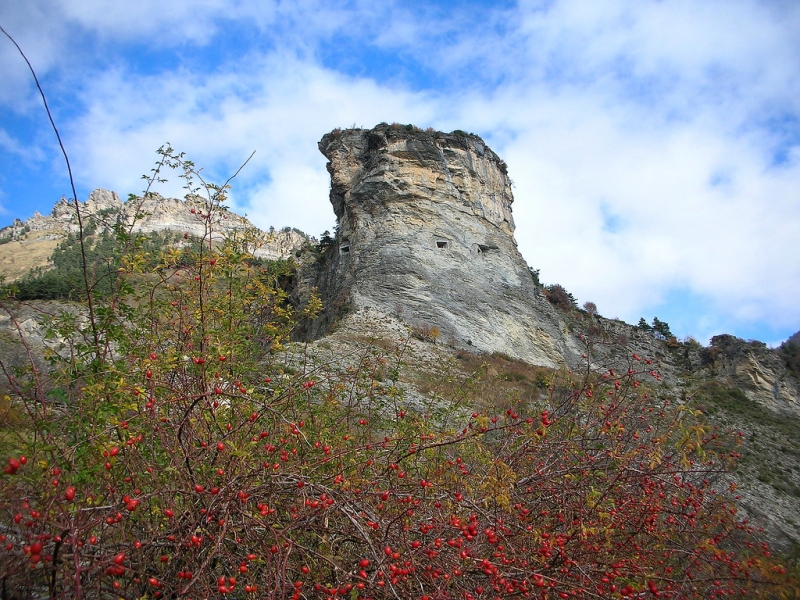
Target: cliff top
384	133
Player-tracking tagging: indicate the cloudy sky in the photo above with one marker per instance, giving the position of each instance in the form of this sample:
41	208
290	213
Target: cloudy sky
654	144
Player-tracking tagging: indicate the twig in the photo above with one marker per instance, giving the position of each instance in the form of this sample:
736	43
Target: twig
88	288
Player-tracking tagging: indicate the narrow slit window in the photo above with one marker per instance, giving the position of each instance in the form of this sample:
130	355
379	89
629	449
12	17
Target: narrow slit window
441	244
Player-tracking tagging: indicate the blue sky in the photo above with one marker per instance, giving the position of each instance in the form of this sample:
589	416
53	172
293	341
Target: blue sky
654	144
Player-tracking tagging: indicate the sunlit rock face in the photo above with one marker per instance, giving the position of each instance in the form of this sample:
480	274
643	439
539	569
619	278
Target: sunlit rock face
426	233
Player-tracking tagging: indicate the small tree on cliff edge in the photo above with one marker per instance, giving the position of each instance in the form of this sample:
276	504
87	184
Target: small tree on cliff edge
560	297
179	452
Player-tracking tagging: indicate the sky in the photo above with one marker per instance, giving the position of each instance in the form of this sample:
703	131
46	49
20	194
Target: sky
654	145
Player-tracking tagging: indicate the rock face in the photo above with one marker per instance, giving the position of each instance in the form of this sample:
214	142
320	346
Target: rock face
758	371
425	232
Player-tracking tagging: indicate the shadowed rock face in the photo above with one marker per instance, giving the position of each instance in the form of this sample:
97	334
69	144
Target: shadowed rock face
426	233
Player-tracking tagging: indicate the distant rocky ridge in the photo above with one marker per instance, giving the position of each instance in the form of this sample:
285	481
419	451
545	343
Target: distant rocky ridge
755	369
29	243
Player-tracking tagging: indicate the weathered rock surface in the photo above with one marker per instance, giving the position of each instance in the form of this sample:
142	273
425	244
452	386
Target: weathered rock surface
425	232
755	369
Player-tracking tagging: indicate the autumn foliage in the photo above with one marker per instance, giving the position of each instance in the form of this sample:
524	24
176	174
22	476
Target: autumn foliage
182	449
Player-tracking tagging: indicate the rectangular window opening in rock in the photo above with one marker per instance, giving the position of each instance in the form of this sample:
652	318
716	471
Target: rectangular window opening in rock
441	244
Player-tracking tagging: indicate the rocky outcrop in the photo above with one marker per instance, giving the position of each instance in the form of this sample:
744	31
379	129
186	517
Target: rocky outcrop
756	370
426	232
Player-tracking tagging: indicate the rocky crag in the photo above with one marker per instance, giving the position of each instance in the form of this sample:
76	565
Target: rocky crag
28	244
426	233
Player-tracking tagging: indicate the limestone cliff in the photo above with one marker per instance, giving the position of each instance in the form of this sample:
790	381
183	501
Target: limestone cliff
426	233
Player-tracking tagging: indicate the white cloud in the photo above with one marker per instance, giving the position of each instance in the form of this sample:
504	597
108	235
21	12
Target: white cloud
288	106
40	45
160	23
677	229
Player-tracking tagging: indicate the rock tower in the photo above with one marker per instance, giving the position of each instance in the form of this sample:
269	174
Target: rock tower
426	233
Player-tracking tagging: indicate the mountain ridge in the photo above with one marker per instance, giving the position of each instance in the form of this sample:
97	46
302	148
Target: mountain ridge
25	245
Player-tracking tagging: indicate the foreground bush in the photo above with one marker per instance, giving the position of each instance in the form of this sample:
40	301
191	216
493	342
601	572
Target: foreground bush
182	451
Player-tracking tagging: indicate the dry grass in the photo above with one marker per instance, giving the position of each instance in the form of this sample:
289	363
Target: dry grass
34	250
490	382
